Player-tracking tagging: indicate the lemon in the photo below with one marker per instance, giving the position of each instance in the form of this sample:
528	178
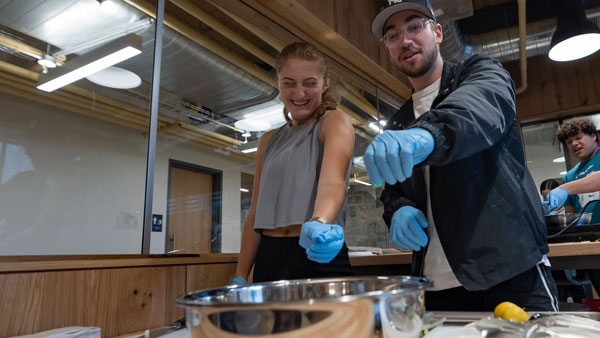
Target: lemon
501	307
510	311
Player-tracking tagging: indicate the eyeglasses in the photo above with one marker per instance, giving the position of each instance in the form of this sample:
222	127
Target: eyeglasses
412	29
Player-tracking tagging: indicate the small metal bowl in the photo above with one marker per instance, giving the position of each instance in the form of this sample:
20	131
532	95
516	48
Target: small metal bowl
556	223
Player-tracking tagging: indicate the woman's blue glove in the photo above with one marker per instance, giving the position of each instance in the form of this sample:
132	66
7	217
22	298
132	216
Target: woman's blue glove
322	241
392	155
238	281
556	197
407	228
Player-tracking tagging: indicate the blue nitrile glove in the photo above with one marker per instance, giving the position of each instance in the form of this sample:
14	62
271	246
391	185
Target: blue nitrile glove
392	155
238	281
556	197
407	228
322	241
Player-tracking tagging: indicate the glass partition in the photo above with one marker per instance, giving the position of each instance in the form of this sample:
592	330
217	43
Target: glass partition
72	144
544	153
73	154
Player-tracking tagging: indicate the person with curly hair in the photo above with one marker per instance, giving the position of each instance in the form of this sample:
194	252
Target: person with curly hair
579	135
581	184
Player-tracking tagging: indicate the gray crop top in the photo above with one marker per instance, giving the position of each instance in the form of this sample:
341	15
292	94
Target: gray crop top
290	176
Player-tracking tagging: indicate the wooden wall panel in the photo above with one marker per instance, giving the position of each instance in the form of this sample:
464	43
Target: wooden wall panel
208	276
307	24
354	24
557	89
588	74
324	10
117	300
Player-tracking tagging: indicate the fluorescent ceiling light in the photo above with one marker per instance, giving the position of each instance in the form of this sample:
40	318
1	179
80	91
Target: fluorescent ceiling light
559	159
249	150
244	190
85	65
362	182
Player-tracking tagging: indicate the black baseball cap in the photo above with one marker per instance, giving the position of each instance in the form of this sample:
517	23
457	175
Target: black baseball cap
395	6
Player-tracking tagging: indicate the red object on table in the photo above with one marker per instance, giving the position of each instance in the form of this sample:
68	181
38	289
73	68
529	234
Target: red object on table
594	304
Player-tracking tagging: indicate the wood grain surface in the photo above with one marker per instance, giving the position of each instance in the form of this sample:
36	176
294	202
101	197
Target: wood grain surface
208	276
117	300
350	319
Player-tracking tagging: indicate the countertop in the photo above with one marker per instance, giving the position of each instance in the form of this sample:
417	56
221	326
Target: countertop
563	255
582	255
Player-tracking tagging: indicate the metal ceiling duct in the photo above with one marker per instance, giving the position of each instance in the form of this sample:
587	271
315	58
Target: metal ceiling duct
501	44
188	69
196	74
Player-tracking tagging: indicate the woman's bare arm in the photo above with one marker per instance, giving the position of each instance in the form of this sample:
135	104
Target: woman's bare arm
337	136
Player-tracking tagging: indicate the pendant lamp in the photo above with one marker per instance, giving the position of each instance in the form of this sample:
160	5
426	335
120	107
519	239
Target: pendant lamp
575	36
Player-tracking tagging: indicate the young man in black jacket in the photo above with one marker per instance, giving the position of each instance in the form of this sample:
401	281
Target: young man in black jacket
457	189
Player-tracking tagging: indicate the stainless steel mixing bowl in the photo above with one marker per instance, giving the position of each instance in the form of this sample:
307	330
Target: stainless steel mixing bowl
337	307
556	223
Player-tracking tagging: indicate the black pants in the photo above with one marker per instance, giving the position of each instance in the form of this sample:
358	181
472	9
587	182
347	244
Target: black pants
533	290
280	258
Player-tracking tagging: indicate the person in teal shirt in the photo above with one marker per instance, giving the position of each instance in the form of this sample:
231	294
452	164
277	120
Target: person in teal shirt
579	135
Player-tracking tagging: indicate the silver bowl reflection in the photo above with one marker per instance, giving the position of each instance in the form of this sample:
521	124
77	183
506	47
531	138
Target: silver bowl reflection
336	307
556	223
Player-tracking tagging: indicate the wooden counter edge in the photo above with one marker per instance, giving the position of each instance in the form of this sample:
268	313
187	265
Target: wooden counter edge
556	250
57	263
63	263
574	249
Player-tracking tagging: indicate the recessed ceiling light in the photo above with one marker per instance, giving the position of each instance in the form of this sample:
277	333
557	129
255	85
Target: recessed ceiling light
559	159
47	61
116	77
252	125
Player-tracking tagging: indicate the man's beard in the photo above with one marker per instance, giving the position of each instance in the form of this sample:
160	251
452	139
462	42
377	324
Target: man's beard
428	62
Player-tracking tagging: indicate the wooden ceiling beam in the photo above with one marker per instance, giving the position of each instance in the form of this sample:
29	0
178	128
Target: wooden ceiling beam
268	38
215	24
21	82
293	16
26	49
204	41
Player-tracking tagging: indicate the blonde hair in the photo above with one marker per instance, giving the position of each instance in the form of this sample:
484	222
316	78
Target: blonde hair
308	52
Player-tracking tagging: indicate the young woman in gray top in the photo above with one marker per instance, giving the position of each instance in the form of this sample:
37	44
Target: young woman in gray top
294	228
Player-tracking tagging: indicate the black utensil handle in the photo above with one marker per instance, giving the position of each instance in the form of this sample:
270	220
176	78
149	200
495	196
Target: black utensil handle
576	220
